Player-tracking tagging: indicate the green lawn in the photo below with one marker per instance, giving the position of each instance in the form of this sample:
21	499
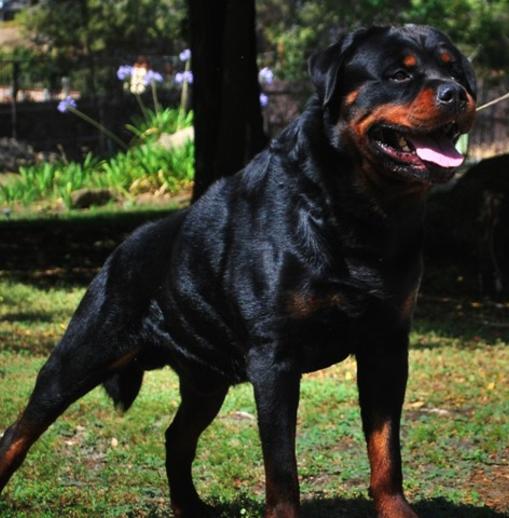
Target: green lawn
95	462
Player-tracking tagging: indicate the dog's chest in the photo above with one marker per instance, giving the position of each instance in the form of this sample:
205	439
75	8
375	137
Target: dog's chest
322	323
316	330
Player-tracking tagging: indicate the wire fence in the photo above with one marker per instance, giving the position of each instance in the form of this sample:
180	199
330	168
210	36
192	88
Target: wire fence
29	93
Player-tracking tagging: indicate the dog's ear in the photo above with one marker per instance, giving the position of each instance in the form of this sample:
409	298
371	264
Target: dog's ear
324	65
469	74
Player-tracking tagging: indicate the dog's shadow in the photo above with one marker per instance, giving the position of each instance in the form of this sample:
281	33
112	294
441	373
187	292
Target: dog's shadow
362	508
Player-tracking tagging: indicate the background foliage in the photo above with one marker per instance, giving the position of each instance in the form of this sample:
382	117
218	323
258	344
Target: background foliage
72	33
93	32
291	29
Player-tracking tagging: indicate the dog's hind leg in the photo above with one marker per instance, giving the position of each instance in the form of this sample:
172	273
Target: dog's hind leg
90	352
195	413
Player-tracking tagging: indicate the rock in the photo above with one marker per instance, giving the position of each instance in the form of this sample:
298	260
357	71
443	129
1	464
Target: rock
14	153
85	198
469	225
177	139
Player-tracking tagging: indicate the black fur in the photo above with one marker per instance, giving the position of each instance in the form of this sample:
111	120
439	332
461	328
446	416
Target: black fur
310	254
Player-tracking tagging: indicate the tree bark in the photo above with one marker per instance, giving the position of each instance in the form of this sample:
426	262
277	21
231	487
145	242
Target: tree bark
227	115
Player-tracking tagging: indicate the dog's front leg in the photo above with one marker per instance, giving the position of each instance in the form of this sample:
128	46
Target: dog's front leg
382	370
276	387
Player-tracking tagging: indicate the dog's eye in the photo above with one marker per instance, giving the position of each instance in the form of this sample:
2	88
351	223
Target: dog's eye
400	76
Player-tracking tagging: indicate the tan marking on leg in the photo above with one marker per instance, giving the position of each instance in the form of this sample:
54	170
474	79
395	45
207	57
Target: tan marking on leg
282	510
389	500
17	448
380	457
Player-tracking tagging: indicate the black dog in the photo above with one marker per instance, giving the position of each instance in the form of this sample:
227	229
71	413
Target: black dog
310	254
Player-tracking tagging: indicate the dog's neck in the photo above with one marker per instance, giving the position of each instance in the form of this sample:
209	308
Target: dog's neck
390	194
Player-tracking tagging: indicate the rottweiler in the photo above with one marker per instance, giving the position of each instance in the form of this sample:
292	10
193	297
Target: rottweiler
308	255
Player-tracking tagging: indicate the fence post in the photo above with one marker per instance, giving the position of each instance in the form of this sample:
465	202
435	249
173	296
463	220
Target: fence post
15	87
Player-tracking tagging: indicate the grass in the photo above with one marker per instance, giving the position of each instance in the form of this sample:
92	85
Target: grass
94	462
148	167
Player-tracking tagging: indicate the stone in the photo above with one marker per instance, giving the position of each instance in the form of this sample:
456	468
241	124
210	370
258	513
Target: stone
86	198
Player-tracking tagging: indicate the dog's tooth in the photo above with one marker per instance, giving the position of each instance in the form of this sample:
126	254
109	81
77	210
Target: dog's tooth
404	144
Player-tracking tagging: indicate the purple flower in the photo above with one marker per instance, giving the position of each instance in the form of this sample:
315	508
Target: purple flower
185	55
152	77
266	76
65	104
124	72
264	100
186	76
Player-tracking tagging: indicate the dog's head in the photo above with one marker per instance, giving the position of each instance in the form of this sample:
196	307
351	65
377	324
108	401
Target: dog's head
399	98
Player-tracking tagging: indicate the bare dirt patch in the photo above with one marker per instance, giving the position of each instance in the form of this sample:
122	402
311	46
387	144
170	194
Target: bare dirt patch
492	484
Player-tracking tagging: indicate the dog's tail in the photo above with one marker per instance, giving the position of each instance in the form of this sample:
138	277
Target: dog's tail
124	386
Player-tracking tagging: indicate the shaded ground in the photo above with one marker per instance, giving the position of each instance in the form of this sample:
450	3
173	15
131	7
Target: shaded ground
69	249
66	248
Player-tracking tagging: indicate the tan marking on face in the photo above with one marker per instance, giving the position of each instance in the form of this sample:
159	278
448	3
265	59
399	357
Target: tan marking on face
409	60
422	113
471	107
351	98
446	57
424	105
389	112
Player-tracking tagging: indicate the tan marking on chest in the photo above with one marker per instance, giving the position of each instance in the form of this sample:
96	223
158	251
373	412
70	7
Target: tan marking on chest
301	305
124	360
408	306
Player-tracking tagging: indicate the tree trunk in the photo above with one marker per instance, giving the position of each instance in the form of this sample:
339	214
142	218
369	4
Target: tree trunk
227	115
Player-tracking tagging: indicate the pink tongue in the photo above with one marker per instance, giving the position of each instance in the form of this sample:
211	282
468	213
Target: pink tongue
438	150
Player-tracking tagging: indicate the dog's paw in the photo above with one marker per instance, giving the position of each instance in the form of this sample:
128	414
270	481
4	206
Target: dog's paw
283	510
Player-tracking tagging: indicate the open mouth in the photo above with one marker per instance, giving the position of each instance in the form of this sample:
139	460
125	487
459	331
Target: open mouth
419	151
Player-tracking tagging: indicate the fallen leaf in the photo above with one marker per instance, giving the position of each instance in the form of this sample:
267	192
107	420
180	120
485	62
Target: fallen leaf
415	404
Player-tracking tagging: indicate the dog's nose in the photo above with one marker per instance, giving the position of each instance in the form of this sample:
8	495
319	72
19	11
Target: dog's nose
451	95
